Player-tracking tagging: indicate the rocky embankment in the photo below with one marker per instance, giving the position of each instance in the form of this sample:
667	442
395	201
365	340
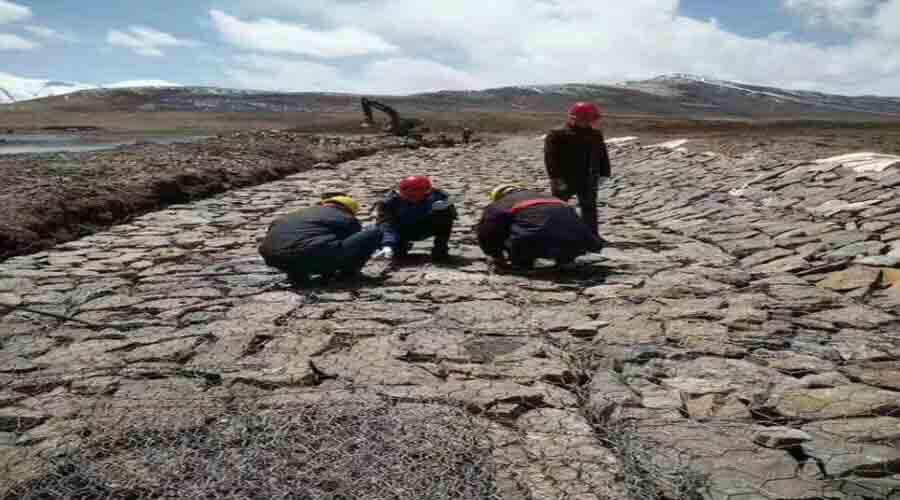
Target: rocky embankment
737	339
51	198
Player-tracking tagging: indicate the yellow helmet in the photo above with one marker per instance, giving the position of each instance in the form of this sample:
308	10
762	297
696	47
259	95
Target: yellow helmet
503	190
348	202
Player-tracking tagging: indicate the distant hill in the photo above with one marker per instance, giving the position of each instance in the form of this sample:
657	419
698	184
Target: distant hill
669	95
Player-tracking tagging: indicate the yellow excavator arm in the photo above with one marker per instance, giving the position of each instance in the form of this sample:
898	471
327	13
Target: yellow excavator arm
398	126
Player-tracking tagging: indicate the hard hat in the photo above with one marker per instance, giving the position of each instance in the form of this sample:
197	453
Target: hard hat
348	203
503	190
415	187
587	111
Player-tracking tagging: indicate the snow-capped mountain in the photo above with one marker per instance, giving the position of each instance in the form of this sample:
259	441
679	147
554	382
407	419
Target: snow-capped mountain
674	95
16	89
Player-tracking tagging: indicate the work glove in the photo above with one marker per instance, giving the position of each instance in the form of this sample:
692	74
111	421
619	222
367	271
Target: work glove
385	253
440	205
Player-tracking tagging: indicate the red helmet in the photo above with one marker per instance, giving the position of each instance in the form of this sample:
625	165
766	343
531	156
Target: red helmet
415	188
586	111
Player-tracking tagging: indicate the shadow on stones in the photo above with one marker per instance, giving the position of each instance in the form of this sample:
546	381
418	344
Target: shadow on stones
585	274
334	284
422	259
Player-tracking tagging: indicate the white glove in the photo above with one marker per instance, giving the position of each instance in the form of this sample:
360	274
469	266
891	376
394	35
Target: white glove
384	253
440	205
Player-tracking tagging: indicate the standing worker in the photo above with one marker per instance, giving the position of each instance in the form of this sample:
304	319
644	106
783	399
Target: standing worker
576	158
324	240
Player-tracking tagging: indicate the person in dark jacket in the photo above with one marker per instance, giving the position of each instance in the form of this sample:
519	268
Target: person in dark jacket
325	240
576	159
522	225
415	211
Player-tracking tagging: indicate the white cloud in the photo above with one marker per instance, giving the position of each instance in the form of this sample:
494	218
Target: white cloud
864	18
272	35
13	42
49	33
407	76
265	72
396	75
478	44
887	21
146	41
10	12
844	14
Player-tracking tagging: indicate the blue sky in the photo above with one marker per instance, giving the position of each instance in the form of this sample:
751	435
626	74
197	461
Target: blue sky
399	46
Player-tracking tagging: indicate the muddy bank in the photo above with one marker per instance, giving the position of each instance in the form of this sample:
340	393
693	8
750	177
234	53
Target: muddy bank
52	198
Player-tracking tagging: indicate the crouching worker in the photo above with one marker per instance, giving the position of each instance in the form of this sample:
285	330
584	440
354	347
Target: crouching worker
325	240
415	211
521	225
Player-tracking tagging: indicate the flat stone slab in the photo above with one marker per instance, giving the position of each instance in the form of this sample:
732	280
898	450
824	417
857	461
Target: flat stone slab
852	400
863	161
884	374
705	315
851	279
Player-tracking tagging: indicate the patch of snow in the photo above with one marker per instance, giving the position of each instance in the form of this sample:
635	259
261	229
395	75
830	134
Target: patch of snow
15	89
863	162
140	83
621	140
677	143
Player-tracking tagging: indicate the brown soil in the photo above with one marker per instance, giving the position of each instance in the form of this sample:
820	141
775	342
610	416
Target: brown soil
48	199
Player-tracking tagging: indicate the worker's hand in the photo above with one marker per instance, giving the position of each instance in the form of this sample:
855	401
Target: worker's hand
386	253
440	205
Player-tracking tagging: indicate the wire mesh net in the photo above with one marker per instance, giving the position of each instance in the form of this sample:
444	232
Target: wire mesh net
163	359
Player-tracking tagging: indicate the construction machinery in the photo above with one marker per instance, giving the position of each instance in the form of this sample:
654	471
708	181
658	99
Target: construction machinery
403	127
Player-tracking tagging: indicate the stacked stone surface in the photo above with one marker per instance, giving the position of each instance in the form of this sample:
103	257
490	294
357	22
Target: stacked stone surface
741	327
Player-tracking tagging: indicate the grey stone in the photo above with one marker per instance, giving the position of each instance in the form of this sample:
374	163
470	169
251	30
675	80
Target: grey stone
17	285
884	430
884	374
631	332
855	317
10	300
480	312
710	308
750	246
792	363
602	292
824	380
852	400
765	256
851	279
879	261
786	264
780	437
869	248
840	458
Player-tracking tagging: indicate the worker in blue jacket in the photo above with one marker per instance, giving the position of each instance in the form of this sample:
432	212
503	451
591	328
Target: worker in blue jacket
415	211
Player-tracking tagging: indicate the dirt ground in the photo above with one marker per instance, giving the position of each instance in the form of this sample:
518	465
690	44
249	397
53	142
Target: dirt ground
52	198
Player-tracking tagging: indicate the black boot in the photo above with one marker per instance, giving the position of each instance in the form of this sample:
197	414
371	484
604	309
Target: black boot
440	253
298	279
